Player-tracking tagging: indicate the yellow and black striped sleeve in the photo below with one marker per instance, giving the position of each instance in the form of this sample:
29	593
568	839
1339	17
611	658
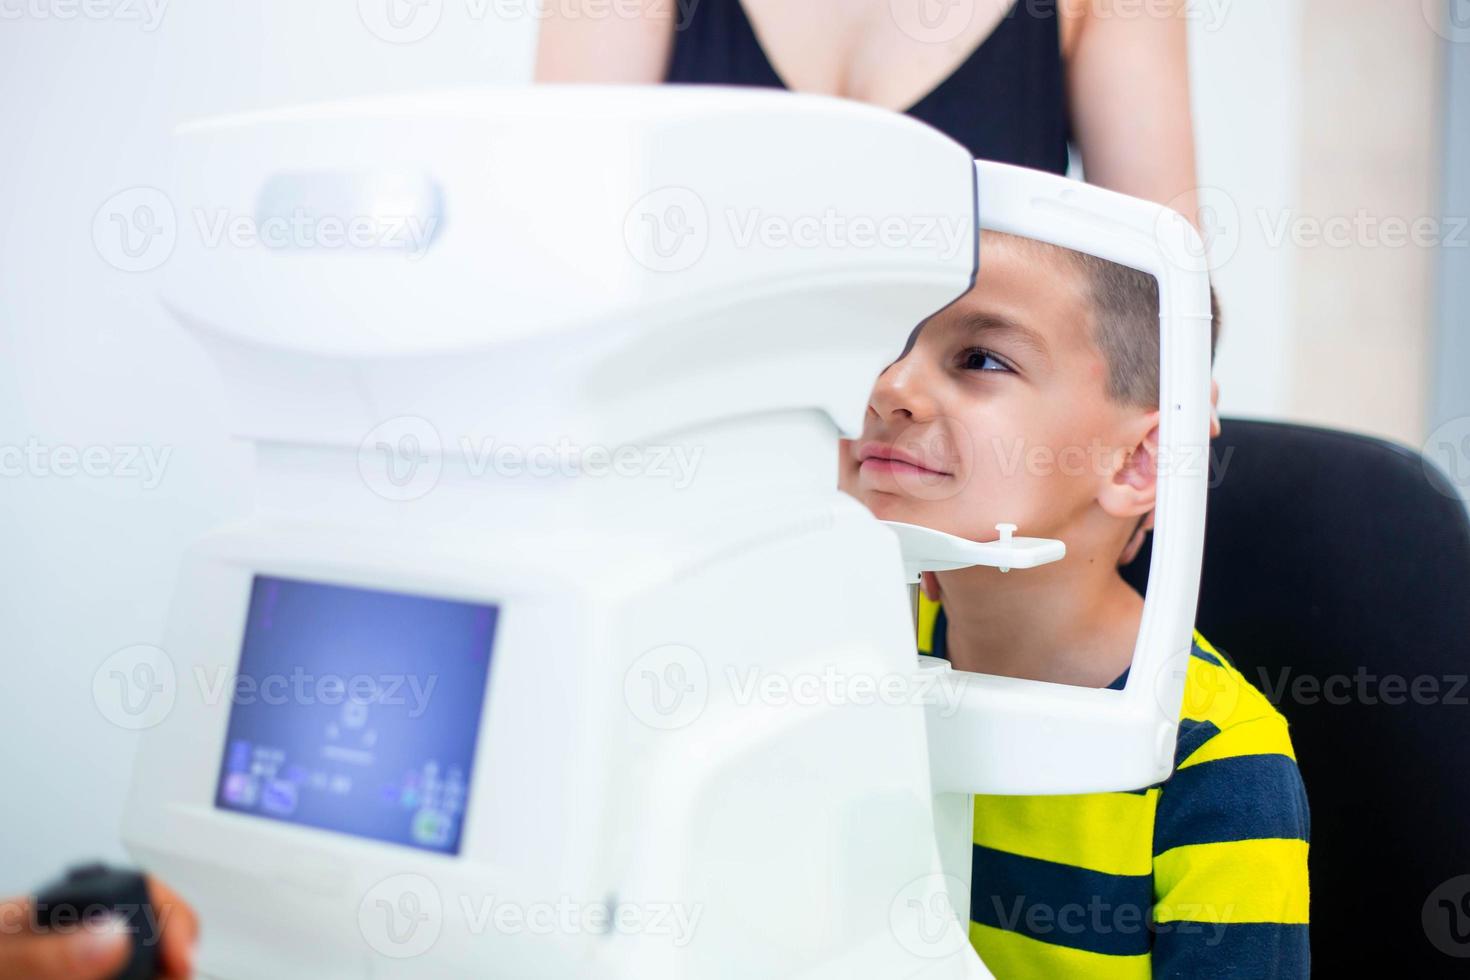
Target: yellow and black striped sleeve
1231	835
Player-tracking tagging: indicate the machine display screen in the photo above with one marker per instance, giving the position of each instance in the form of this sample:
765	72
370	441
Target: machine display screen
357	711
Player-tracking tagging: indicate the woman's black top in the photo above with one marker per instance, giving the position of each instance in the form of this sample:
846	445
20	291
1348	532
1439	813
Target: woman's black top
1006	102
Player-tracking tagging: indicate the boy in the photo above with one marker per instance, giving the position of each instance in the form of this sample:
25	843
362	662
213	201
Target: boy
1033	399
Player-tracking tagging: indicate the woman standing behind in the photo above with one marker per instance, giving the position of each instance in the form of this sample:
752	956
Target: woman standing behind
1013	80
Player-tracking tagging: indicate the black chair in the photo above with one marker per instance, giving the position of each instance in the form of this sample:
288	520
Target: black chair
1337	579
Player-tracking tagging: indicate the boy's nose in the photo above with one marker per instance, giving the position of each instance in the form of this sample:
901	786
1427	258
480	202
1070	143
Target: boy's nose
905	391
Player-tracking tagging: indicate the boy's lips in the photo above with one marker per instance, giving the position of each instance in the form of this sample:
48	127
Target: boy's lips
886	458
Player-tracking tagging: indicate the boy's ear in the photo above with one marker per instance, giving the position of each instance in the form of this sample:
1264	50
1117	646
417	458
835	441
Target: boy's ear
1130	491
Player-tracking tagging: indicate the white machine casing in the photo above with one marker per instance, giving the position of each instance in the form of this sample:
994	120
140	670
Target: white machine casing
541	308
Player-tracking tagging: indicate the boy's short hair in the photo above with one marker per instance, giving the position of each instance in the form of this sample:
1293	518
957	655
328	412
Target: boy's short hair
1125	304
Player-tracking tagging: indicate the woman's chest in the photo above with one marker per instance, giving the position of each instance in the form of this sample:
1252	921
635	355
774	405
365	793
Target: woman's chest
889	53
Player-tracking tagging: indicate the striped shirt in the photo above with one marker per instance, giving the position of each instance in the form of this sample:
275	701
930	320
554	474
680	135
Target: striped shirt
1203	875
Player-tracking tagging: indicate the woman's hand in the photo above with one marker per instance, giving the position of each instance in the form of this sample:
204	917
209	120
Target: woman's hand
95	951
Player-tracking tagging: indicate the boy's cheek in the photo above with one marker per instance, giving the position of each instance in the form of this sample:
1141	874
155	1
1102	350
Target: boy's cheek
987	496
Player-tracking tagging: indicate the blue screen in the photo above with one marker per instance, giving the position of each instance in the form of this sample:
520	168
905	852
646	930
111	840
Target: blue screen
357	711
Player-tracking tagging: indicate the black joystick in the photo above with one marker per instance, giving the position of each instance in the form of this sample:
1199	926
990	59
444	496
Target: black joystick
91	892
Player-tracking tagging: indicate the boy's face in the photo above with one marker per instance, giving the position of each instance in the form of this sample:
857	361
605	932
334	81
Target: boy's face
999	412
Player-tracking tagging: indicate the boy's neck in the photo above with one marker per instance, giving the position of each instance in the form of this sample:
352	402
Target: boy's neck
1073	622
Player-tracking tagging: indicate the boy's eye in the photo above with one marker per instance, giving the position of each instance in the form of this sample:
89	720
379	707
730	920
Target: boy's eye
980	359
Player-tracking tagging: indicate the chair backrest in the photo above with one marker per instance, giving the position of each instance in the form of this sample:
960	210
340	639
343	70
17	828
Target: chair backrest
1337	578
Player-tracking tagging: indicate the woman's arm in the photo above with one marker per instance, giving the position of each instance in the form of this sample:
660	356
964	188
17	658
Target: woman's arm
618	41
1128	84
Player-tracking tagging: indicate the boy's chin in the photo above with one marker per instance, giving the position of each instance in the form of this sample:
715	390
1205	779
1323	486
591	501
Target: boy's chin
907	510
924	513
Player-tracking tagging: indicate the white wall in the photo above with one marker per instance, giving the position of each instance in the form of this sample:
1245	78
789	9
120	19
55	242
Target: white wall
1246	88
88	360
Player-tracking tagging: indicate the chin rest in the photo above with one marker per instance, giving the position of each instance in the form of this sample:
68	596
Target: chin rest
1330	555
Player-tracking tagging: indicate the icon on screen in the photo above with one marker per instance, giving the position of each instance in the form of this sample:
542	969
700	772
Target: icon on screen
431	827
279	798
354	714
239	756
240	789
